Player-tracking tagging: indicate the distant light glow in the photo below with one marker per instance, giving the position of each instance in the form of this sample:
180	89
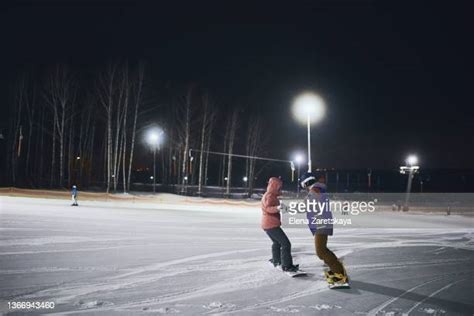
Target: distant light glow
78	157
154	136
309	105
151	177
411	160
245	179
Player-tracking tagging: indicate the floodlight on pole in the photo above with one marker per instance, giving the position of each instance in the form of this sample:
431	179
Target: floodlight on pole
154	137
308	108
298	158
410	169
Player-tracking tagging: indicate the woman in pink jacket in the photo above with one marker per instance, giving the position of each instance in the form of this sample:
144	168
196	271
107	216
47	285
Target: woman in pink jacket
271	222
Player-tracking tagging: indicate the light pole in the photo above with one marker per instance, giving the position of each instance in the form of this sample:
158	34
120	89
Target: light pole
154	137
154	169
308	124
308	108
298	158
411	168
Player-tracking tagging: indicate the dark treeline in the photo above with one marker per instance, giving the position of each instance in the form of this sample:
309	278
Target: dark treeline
75	125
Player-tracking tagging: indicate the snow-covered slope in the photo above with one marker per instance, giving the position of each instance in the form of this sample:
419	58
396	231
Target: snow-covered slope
205	258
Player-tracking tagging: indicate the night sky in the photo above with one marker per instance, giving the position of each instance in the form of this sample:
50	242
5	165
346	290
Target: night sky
397	77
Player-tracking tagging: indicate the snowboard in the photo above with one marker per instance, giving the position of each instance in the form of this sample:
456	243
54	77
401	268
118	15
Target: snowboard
297	274
339	285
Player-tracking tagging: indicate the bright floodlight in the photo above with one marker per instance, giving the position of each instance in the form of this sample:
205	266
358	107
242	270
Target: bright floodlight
308	105
299	158
154	136
412	160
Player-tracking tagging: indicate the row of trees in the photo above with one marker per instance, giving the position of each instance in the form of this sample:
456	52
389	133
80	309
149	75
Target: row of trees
82	126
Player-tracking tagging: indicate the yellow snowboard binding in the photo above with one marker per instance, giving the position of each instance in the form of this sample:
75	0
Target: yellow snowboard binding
337	280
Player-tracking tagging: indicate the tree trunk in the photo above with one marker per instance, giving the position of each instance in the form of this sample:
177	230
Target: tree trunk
31	109
222	168
40	151
61	147
53	154
208	147
135	116
15	147
125	111
186	140
233	129
253	146
71	159
203	137
109	148
91	155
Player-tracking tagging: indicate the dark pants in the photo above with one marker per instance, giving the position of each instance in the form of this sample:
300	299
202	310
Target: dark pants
281	248
326	255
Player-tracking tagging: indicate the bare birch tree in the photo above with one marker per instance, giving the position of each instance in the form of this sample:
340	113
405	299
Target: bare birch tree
61	95
232	132
30	105
207	114
212	121
138	85
186	138
253	145
222	166
15	128
106	95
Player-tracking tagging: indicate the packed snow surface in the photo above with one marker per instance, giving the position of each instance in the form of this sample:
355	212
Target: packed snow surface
175	258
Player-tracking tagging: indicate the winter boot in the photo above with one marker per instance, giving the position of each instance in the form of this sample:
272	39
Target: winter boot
292	268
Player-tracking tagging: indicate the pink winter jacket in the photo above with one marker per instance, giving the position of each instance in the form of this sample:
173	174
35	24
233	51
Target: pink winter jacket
270	213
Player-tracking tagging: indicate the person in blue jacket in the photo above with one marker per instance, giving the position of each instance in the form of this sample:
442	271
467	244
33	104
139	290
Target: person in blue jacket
74	196
319	221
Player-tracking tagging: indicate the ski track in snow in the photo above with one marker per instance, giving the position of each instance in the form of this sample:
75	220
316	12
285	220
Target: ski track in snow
206	292
380	309
433	294
246	280
108	284
239	283
130	279
229	285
